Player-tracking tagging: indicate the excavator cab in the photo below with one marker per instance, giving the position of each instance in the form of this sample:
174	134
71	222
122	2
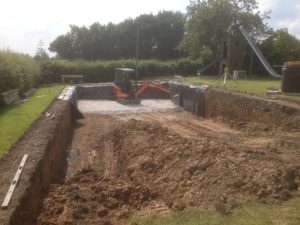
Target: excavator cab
125	87
123	78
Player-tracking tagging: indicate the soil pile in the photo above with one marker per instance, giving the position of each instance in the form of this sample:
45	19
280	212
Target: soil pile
157	164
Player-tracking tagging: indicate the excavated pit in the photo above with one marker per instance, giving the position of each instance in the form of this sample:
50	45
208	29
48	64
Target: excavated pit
136	163
113	107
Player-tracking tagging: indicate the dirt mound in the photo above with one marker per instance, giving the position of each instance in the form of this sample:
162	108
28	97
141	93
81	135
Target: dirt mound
141	167
92	199
195	172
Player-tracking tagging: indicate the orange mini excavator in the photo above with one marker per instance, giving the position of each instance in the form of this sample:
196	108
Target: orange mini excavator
127	91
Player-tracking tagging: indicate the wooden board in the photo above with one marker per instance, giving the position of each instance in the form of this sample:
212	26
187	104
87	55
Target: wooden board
14	183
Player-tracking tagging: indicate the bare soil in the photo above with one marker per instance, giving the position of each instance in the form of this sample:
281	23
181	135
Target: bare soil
44	143
131	165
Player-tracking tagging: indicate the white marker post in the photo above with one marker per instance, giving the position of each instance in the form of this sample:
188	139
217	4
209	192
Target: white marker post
14	183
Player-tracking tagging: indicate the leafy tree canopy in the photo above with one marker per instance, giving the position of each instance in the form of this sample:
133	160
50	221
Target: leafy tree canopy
159	35
280	47
208	21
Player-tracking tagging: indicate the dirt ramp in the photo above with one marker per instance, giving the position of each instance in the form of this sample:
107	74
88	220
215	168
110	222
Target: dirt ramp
157	163
198	171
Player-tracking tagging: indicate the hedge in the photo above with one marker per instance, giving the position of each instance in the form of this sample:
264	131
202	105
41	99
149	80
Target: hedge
17	71
23	72
103	71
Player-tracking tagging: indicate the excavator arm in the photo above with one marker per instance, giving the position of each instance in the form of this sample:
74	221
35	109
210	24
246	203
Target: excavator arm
146	85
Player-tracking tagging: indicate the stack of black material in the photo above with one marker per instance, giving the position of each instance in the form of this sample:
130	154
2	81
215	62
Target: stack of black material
189	97
99	91
290	79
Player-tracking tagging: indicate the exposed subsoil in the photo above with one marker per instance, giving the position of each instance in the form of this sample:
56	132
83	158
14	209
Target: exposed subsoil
132	165
44	143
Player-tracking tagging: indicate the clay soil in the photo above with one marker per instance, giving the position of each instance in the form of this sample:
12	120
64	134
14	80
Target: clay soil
133	165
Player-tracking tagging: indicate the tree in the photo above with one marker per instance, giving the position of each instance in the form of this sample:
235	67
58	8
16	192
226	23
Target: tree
41	53
159	37
167	34
74	44
208	21
280	47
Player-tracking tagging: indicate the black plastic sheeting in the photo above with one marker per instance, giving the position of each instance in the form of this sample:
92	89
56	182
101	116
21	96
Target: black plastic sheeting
99	91
189	97
70	94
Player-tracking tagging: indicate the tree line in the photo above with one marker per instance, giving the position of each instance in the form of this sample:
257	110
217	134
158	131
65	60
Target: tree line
158	35
172	35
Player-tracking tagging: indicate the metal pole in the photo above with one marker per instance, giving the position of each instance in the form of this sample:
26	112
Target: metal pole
137	56
251	64
138	45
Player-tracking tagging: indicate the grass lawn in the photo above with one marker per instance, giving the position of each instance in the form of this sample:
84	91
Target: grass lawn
254	214
16	119
251	85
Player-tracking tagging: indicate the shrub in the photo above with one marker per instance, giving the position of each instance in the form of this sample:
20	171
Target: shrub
17	71
103	71
187	66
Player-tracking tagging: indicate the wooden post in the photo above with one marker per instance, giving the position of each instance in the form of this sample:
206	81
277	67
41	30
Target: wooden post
251	64
137	55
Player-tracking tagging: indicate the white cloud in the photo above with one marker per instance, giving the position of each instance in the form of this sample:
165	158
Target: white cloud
285	14
293	26
24	23
266	5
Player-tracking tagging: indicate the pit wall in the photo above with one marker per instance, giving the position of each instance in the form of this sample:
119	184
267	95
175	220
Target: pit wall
242	108
103	91
189	97
234	107
46	144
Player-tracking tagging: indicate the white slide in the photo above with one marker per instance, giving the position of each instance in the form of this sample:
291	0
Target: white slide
259	54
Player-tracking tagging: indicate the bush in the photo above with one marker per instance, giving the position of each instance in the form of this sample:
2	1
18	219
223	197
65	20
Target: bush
17	71
187	66
103	71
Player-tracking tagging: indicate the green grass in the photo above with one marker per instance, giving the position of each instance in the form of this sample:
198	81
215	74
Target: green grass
16	119
252	85
253	214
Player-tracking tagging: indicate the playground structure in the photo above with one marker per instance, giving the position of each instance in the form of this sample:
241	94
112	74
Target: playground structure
234	53
234	48
259	54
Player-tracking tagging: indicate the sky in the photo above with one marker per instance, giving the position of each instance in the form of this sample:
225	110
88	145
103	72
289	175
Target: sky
24	22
